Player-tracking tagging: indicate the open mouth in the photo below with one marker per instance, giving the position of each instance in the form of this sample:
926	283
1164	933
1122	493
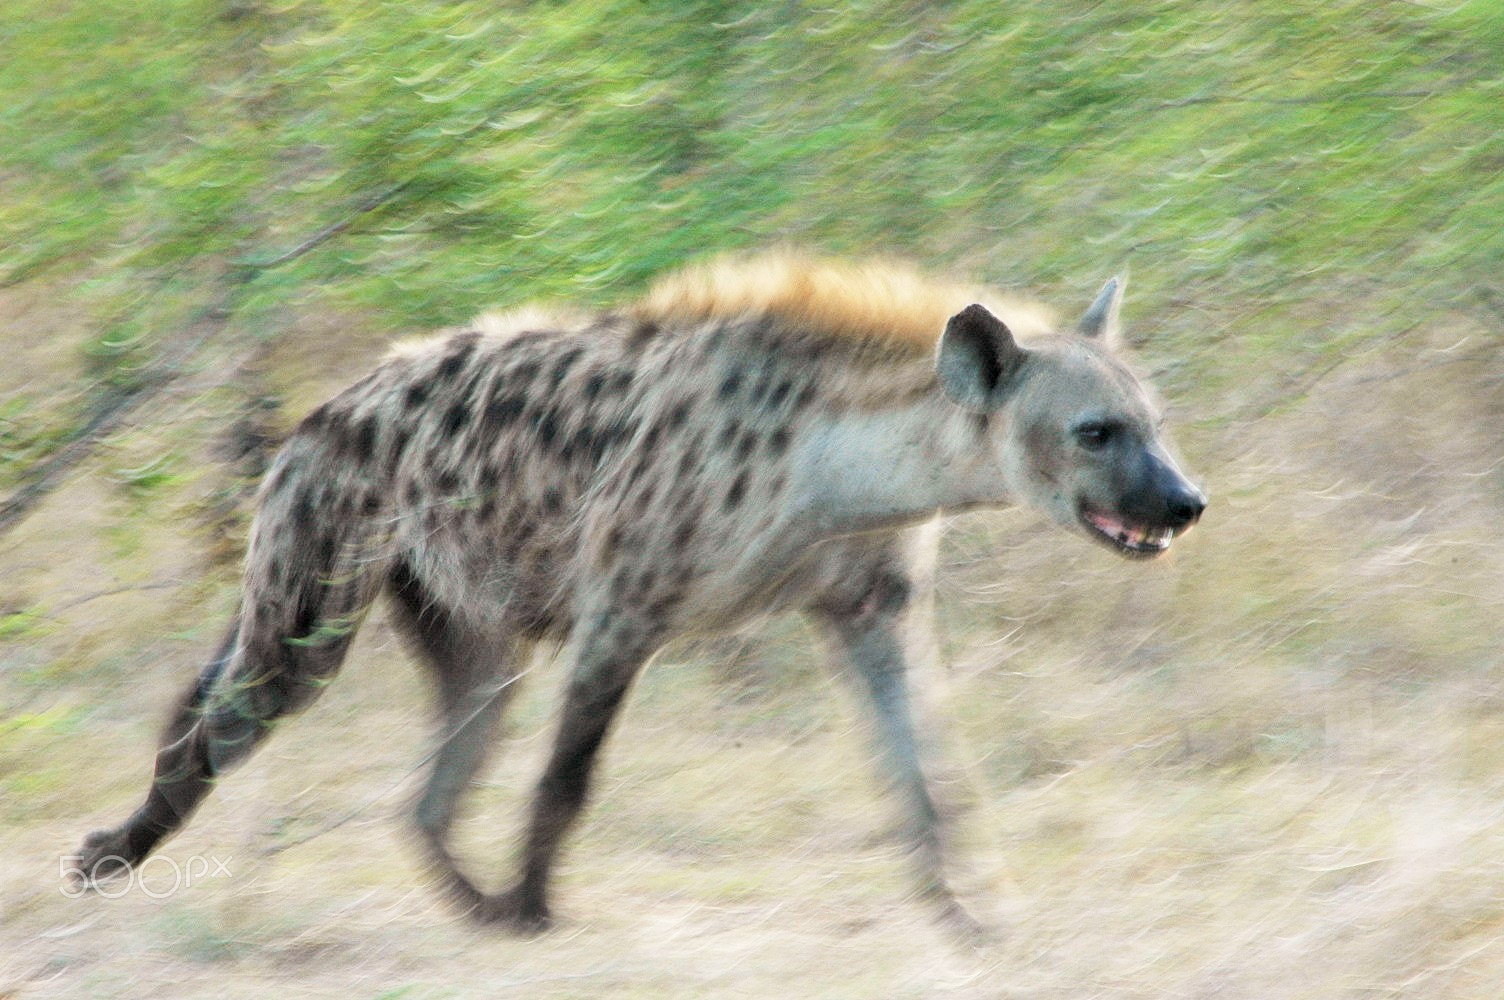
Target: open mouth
1130	539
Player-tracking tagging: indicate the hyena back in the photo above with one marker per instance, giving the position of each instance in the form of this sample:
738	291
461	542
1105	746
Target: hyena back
751	436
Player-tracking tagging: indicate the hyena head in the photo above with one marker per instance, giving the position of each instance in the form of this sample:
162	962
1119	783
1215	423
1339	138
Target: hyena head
1077	435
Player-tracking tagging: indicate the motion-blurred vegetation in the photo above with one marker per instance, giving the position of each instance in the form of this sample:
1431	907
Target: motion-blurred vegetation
1290	742
423	160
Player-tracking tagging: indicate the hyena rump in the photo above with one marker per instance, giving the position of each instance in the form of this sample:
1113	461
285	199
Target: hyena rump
751	436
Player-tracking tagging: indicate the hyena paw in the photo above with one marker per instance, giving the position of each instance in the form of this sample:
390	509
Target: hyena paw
104	855
521	912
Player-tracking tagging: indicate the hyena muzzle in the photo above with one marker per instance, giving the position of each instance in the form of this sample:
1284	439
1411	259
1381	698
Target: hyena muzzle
752	436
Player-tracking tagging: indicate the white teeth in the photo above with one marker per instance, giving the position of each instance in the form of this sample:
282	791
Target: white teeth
1132	537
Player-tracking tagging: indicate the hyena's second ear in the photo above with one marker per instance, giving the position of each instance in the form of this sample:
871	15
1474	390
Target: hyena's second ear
977	358
1101	319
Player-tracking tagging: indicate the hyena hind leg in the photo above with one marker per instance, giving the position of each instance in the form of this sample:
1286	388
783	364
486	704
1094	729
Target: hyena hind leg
106	854
475	672
229	712
275	663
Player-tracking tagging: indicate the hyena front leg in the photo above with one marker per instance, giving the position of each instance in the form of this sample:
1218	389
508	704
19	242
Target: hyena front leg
475	669
864	616
612	648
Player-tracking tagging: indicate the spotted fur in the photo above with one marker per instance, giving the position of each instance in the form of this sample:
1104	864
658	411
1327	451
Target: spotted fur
750	436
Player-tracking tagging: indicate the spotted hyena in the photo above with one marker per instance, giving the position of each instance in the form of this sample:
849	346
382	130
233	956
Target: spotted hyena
752	435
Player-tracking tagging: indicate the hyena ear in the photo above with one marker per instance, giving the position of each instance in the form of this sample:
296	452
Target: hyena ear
1101	319
977	358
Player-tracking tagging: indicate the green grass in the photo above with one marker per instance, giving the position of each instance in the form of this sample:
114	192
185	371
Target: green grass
578	150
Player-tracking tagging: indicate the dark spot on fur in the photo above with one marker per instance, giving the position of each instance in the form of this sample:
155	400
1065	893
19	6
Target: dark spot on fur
553	501
678	416
303	509
489	479
460	350
650	439
546	426
683	534
524	372
568	444
778	440
401	433
502	410
515	533
737	491
687	463
731	384
620	381
447	482
370	504
805	397
327	546
583	442
646	580
471	387
613	541
659	611
456	418
566	361
315	421
888	593
416	395
593	386
728	434
362	440
523	531
780	393
644	331
746	445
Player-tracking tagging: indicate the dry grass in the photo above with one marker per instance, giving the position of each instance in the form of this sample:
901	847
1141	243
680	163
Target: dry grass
1270	768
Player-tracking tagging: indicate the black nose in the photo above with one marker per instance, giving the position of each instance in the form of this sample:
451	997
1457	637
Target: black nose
1185	506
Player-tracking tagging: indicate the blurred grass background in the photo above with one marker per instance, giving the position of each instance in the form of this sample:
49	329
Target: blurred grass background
1271	767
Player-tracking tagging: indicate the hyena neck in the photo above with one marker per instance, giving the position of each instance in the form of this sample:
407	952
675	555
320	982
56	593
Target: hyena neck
866	470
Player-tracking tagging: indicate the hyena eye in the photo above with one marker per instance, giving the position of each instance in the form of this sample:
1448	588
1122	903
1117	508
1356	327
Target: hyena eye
1094	435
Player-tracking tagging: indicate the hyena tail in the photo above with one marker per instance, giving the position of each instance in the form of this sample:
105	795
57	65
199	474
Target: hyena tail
316	562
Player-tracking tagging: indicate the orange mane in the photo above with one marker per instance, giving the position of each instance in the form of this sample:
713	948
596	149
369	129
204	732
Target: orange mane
877	300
